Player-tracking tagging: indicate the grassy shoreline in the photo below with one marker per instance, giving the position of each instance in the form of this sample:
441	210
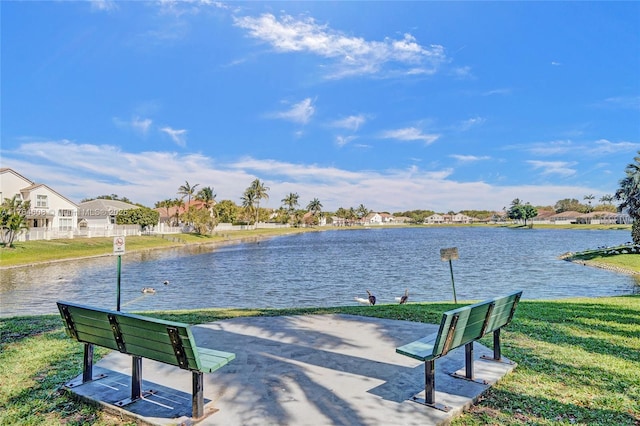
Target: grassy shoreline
578	363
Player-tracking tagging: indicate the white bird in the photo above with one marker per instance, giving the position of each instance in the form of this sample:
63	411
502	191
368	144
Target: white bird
150	290
166	282
361	300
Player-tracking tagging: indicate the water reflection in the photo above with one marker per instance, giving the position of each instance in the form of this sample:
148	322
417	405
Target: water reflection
326	269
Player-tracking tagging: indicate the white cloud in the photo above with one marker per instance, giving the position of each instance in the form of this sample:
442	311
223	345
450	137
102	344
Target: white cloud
470	158
104	5
471	122
551	148
604	146
344	140
351	55
410	134
353	122
179	136
298	113
148	177
561	168
137	124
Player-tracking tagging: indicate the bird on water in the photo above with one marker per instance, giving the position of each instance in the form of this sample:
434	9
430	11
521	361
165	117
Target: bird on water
148	290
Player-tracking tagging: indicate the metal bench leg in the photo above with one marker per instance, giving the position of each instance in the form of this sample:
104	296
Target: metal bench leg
430	387
87	368
136	377
468	360
430	382
197	396
497	351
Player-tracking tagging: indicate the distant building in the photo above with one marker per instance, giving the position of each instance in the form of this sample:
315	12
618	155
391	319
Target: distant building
101	213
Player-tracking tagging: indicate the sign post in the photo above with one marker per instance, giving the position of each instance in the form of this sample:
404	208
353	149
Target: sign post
450	254
118	249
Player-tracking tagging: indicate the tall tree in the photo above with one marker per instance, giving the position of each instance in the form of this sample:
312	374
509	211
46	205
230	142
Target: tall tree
519	211
314	206
248	204
258	191
606	199
207	196
187	190
291	201
589	198
629	195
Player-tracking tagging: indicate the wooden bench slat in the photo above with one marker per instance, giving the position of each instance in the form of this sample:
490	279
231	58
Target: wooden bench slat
420	349
211	360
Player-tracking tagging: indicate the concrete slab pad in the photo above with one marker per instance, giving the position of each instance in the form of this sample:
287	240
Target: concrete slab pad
301	370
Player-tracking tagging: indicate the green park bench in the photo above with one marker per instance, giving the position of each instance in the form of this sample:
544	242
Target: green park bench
458	327
141	337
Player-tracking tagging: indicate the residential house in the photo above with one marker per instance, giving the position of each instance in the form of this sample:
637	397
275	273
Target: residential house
447	218
101	213
50	211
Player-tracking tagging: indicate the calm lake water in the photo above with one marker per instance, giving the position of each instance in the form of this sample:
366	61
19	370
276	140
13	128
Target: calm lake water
327	268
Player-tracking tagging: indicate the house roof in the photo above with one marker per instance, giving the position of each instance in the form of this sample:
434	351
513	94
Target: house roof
102	205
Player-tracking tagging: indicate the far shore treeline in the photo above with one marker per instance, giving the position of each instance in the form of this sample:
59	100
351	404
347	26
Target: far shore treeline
197	210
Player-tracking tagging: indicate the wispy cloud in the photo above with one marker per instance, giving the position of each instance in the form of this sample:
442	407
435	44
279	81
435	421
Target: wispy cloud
561	168
137	124
344	140
410	134
353	122
103	5
604	146
179	136
470	158
298	113
471	122
351	55
151	176
551	148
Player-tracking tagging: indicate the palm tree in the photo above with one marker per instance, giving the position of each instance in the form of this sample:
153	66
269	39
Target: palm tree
291	201
589	198
314	206
207	197
187	190
259	191
606	199
362	211
248	202
629	195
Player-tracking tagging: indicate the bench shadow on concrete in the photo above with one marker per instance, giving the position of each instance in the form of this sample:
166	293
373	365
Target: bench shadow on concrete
316	369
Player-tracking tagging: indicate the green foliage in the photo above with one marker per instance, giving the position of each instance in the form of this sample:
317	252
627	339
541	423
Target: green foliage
519	211
629	191
202	219
478	214
417	216
227	211
13	219
635	231
142	216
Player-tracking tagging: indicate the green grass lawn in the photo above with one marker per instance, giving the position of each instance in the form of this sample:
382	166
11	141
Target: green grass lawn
578	363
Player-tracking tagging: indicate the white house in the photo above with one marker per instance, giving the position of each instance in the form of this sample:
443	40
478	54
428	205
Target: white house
101	213
49	210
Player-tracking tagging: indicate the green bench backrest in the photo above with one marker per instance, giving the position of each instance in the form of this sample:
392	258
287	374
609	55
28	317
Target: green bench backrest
464	325
132	334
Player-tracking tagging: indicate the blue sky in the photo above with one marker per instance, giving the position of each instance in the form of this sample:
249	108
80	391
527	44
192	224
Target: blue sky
394	105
